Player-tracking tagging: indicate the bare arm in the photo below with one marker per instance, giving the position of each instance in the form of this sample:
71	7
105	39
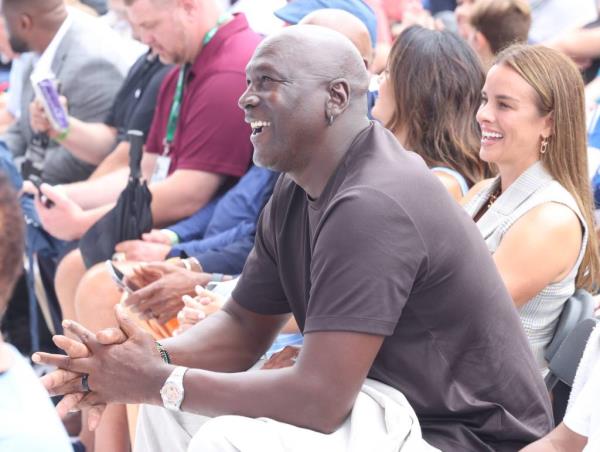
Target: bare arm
451	185
90	142
561	439
182	194
105	189
540	248
309	394
580	43
220	342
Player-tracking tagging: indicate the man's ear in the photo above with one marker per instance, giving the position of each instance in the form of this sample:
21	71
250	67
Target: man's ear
480	43
338	99
25	22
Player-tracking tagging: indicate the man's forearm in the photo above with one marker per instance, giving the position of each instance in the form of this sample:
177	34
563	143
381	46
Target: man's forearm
90	142
91	194
309	394
218	343
90	217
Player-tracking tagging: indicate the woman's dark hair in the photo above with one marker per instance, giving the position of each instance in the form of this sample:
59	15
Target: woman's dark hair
437	80
12	233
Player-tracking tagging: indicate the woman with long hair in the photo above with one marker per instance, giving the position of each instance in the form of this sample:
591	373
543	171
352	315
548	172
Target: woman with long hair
536	215
428	97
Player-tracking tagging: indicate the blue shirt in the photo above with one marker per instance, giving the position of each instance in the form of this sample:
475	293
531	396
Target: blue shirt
221	234
28	420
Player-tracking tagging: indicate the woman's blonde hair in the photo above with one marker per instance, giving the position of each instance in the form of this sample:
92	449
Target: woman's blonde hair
560	93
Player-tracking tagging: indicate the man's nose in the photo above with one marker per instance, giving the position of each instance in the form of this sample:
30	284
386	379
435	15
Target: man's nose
248	99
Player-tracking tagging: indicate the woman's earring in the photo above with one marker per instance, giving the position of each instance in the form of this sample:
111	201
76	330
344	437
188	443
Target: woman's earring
330	119
544	145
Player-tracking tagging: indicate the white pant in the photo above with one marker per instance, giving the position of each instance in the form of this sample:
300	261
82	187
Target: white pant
382	420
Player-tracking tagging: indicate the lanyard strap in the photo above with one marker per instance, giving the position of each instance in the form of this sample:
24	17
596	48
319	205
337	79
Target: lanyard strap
176	105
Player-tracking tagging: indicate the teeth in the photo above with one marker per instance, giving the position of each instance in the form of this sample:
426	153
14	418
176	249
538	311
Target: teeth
491	135
259	124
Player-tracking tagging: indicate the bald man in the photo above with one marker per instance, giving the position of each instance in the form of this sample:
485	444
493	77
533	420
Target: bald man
393	288
347	24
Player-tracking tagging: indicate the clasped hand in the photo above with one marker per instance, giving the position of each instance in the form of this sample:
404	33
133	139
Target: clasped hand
122	364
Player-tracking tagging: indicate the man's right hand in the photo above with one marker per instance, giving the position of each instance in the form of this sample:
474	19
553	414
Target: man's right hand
65	220
38	118
55	381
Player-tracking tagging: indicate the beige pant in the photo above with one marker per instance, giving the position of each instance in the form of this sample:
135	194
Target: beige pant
382	420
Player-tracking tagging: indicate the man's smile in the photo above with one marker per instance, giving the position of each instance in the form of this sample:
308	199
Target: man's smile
257	126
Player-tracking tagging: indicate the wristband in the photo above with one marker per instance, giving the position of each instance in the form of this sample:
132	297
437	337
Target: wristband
164	354
62	135
173	237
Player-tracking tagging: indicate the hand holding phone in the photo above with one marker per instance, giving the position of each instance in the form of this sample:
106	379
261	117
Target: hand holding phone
43	198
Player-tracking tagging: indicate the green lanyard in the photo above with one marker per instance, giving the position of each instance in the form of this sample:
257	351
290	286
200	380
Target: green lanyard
176	105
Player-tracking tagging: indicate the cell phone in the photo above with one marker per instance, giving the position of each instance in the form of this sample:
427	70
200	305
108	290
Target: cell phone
119	278
43	198
46	90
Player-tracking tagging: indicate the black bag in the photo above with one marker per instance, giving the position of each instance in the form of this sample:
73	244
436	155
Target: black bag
130	217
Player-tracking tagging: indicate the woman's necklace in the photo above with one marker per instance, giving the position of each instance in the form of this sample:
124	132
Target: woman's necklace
495	195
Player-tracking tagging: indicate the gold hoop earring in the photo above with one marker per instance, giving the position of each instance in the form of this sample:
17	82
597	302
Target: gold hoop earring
544	145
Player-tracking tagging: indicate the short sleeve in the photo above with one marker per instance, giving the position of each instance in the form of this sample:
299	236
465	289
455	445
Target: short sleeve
143	113
367	258
259	288
215	138
154	142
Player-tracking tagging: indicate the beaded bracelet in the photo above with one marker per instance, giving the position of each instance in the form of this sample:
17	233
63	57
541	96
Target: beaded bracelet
164	354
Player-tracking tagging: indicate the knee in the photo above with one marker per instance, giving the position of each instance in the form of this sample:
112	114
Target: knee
96	295
69	269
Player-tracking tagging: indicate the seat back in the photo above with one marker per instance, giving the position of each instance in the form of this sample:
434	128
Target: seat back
563	366
578	307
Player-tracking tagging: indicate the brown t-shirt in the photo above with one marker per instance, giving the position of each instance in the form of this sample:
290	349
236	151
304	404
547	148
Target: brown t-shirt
385	250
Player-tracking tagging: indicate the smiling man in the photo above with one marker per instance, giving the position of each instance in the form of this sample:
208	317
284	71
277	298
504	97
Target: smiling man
400	304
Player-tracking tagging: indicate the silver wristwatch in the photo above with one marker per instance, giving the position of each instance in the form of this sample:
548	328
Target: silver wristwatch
172	392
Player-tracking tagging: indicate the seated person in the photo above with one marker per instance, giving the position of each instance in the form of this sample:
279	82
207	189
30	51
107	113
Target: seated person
216	240
536	215
208	148
83	55
580	429
29	421
411	95
496	25
428	317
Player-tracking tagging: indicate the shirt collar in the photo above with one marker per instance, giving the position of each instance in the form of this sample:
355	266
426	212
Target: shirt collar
43	66
237	24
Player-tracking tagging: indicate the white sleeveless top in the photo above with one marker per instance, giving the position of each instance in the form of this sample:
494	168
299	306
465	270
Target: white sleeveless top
535	186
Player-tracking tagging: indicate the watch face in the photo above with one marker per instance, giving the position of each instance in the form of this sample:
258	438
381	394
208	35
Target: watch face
171	394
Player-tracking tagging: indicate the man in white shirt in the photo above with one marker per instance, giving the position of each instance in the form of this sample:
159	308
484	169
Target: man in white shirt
580	429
